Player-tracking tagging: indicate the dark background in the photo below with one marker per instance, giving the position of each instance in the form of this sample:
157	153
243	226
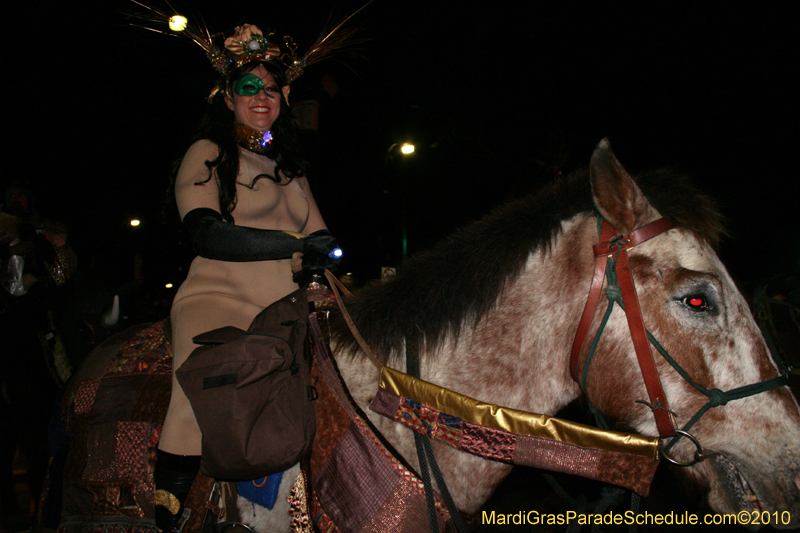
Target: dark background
499	100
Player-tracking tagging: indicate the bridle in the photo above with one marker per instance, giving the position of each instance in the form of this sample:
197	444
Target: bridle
611	264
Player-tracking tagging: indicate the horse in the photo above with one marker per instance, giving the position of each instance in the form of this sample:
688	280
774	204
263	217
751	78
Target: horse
492	313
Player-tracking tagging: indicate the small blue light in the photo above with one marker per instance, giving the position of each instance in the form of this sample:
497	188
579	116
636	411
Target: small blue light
336	253
266	139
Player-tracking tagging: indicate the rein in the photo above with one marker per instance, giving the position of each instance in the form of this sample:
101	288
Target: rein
611	263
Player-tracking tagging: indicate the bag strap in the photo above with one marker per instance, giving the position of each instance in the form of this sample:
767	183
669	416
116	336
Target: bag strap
336	285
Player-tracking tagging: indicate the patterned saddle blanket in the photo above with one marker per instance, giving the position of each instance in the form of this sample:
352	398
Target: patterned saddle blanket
114	409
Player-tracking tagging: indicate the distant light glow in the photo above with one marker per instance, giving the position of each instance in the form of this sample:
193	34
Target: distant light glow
407	148
135	222
168	285
177	23
336	253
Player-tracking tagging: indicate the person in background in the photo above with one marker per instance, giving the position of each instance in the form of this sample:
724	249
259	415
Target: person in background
35	260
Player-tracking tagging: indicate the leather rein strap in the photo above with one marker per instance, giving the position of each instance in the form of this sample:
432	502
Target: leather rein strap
616	247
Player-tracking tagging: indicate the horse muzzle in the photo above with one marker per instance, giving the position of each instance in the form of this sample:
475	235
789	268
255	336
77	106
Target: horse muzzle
765	499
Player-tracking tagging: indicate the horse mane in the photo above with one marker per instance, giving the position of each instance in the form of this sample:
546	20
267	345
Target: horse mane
457	282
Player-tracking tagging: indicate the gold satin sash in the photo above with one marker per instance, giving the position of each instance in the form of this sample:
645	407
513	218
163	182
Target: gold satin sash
514	421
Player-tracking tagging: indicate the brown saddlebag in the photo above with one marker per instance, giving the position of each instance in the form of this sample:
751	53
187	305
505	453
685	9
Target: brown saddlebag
251	393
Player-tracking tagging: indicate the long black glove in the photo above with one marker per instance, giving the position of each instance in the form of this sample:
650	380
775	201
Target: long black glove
214	239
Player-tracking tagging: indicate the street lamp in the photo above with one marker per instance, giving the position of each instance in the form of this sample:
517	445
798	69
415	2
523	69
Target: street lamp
405	149
137	257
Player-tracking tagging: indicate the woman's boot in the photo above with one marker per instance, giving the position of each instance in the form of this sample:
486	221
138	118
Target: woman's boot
173	477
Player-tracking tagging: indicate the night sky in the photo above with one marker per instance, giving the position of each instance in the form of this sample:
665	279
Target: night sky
499	98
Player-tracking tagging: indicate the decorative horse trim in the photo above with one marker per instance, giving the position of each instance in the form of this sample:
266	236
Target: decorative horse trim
517	437
359	484
514	421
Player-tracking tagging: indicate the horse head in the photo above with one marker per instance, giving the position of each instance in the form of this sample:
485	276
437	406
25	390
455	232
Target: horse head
693	309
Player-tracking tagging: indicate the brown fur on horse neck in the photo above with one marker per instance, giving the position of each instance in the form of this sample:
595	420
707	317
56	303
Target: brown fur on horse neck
461	279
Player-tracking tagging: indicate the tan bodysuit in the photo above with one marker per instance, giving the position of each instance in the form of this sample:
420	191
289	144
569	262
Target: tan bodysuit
221	293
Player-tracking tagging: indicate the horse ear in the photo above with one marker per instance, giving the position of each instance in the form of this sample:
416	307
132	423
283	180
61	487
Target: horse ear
616	196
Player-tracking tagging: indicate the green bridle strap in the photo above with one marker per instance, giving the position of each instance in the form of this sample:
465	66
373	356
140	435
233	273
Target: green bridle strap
716	397
614	295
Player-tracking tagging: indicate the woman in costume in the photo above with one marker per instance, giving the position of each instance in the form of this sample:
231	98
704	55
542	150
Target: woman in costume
242	195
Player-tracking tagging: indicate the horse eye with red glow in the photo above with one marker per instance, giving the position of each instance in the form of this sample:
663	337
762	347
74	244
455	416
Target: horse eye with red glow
696	303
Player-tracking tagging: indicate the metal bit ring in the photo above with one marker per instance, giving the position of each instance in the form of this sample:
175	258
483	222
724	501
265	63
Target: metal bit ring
699	454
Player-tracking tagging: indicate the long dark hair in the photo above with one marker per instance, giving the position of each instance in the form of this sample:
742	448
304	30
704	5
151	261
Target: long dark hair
217	126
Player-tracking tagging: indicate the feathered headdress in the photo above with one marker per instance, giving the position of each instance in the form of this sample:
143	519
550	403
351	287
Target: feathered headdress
248	43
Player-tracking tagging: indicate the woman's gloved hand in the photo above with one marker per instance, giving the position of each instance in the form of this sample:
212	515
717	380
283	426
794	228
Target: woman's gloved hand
320	251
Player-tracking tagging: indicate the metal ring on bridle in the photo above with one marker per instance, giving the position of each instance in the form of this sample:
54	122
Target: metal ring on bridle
699	455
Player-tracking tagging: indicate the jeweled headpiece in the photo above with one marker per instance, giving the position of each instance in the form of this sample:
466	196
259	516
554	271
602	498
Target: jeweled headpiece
248	43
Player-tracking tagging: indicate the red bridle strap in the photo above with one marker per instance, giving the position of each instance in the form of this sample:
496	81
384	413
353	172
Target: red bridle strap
618	246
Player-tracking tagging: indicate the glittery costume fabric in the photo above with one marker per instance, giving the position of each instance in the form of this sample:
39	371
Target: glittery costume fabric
628	470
